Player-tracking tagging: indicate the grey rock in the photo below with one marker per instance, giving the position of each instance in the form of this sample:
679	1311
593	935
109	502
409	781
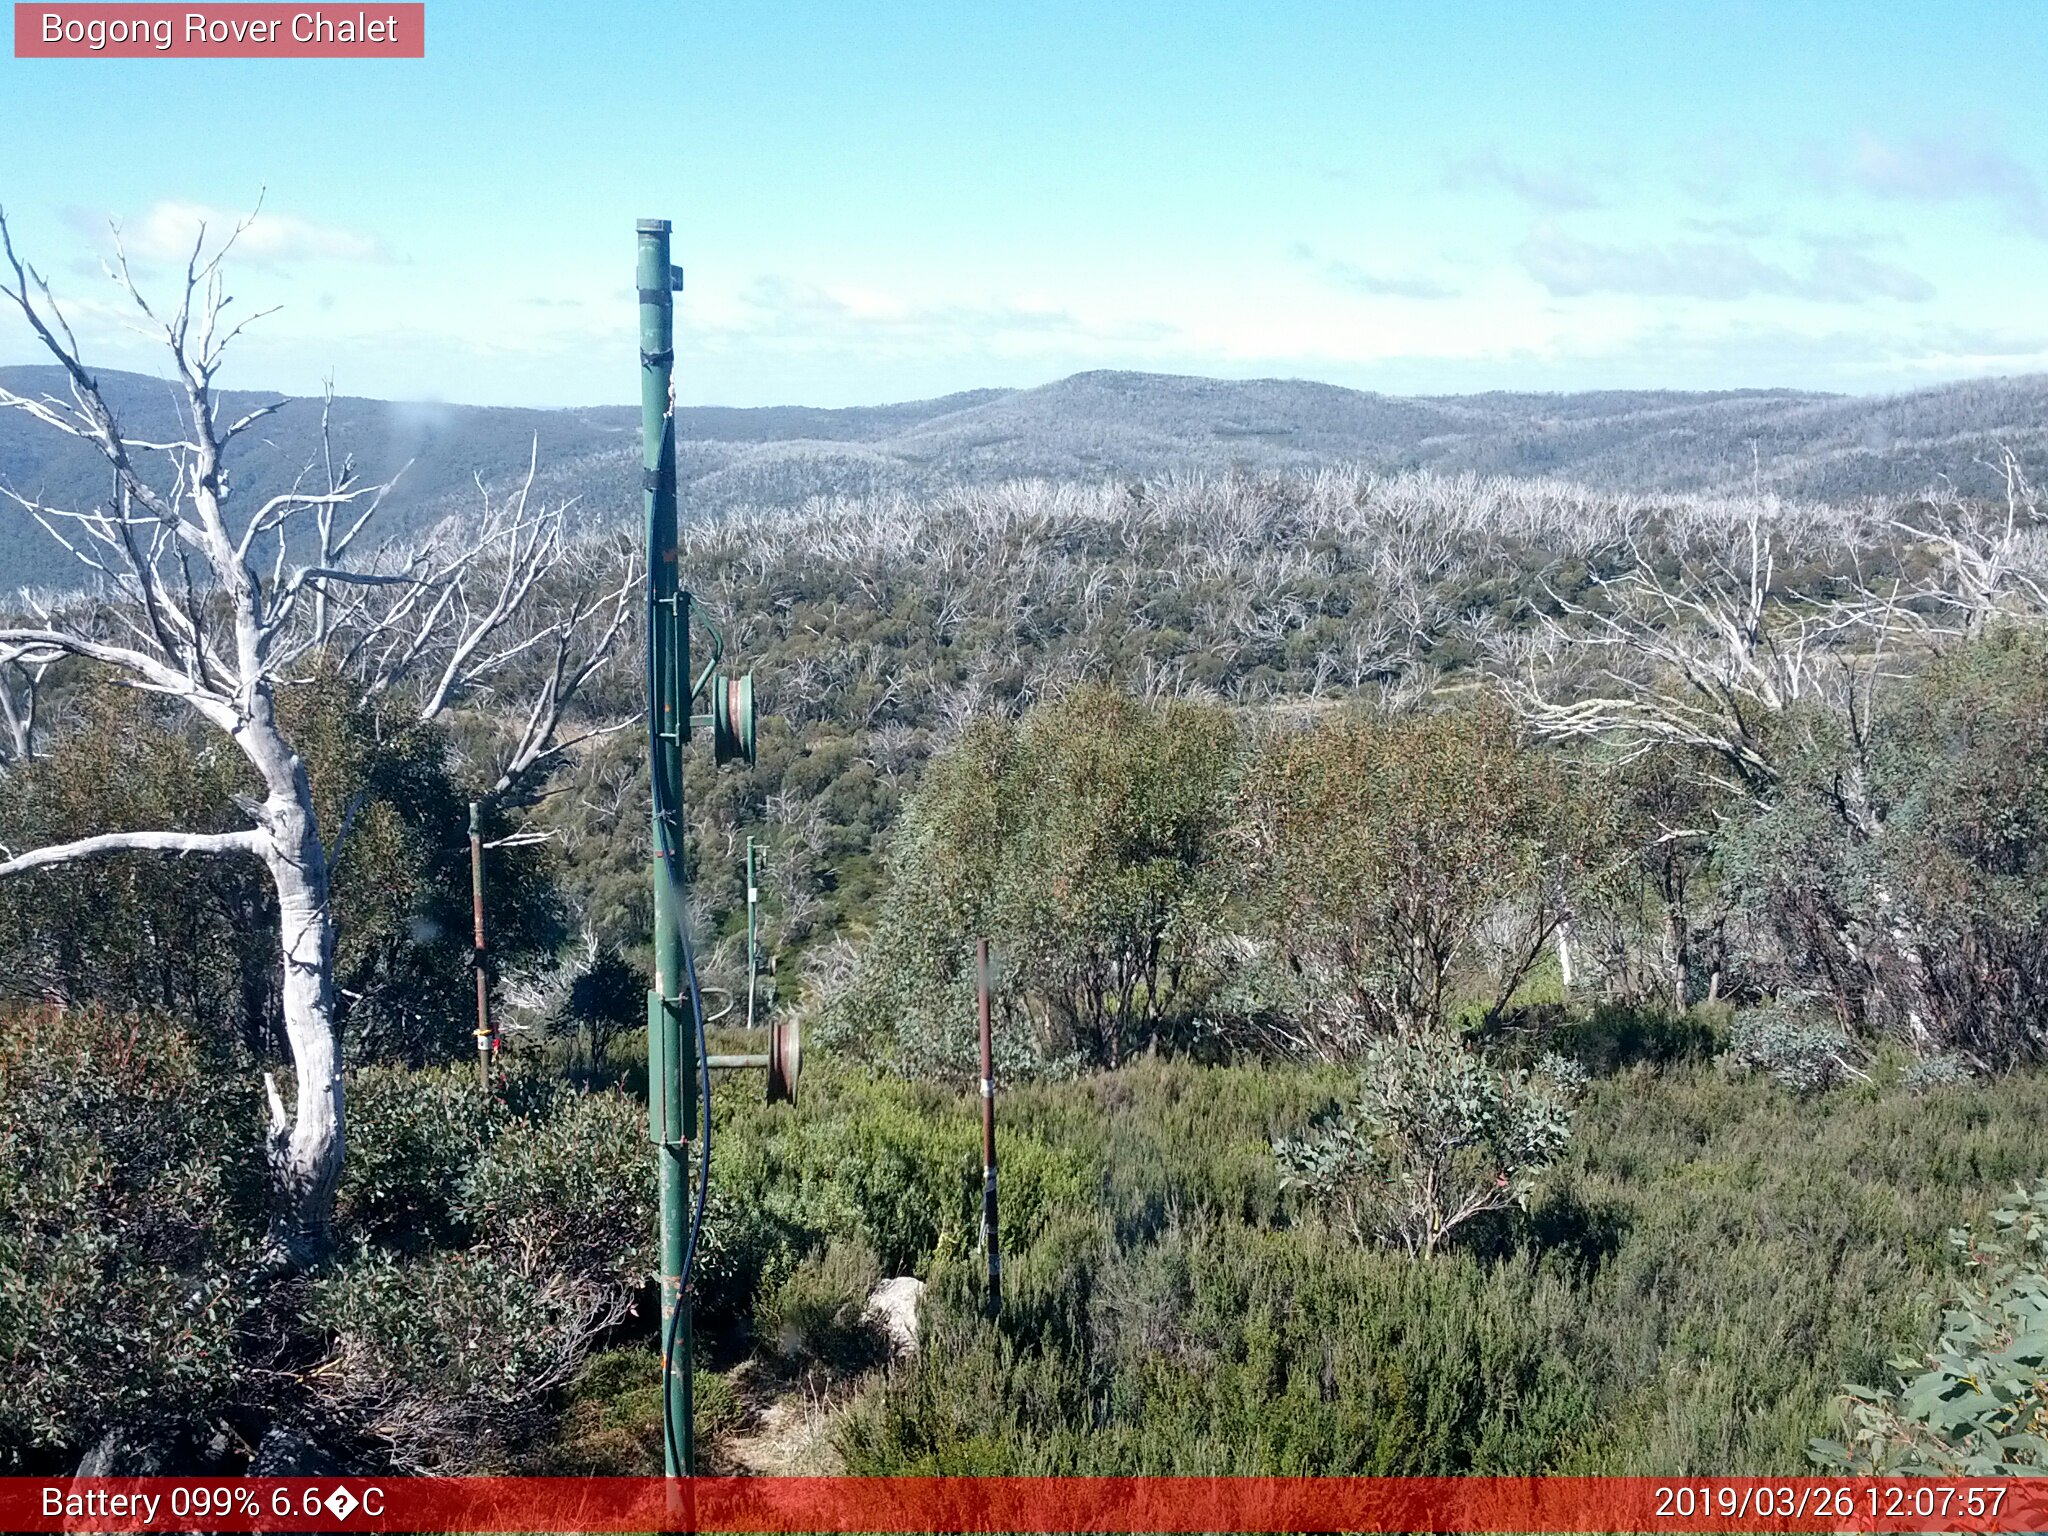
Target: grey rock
896	1307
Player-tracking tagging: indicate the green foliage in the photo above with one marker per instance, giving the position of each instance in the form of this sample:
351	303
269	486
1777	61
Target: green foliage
1652	932
1610	1036
539	1203
1691	1281
401	884
452	1359
574	1188
198	936
1222	1349
1796	1051
1928	1074
611	1421
1371	874
411	1138
1435	1138
1977	1405
130	1196
1391	860
608	996
895	1165
193	938
489	1240
1902	867
818	1312
1079	843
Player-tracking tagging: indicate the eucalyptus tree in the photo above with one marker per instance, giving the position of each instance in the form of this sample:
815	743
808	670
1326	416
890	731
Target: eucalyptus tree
218	605
1784	690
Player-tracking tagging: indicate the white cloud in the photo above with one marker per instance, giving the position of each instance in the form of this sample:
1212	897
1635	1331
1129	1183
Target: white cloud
168	229
1936	170
1554	190
1356	279
783	312
1838	271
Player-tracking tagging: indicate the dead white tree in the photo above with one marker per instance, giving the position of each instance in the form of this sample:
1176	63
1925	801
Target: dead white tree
1994	557
213	604
1705	659
1708	660
22	670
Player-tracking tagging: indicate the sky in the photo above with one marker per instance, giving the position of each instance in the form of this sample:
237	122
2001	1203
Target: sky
889	201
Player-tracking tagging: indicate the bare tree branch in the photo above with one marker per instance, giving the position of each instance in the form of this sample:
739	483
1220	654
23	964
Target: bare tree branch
135	842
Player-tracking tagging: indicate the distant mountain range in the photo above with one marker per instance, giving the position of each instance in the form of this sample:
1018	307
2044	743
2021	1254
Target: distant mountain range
1091	426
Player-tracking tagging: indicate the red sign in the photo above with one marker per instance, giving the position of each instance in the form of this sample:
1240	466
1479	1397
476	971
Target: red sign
990	1504
235	31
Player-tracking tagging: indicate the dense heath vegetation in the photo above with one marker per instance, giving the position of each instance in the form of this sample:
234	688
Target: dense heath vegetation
1493	976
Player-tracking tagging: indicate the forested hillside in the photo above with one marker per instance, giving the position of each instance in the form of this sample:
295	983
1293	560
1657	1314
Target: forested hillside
1697	843
1095	427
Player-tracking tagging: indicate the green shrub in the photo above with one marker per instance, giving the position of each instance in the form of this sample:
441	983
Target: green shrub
131	1200
1796	1051
1397	864
818	1313
744	1248
1225	1350
1977	1405
574	1188
497	1236
1078	841
1610	1036
1944	1069
1696	1275
1435	1138
1900	868
412	1138
610	1422
452	1359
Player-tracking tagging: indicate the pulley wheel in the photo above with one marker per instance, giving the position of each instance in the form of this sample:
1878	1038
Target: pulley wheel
785	1060
732	717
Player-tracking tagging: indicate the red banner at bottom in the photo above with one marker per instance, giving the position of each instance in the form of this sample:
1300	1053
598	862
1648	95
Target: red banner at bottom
1107	1504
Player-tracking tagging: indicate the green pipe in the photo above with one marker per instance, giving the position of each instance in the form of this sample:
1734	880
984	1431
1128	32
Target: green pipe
671	1068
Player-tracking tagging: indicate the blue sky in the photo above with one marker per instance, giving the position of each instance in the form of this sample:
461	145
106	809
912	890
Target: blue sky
888	201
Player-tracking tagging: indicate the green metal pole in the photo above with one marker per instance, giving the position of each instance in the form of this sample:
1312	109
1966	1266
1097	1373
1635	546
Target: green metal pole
671	1048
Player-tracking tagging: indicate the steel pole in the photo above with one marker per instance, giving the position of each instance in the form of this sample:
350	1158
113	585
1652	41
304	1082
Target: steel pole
483	985
988	1133
671	1068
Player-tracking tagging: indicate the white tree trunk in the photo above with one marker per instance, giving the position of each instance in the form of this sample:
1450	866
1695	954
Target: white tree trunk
306	1150
220	639
305	1147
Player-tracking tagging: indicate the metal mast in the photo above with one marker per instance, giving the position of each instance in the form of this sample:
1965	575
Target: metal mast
678	1065
671	1047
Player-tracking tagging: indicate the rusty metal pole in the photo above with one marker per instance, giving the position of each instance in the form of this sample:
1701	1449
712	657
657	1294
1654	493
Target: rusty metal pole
988	1135
753	935
484	1037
